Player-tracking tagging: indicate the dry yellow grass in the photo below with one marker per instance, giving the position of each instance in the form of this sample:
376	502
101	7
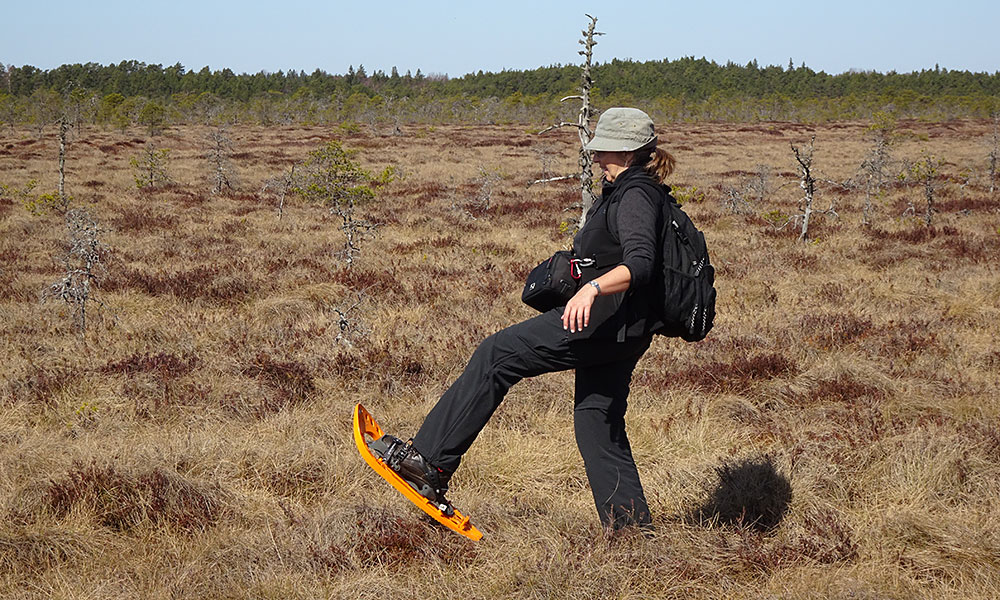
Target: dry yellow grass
197	443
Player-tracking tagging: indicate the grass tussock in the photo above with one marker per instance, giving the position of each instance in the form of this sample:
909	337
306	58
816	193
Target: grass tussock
836	436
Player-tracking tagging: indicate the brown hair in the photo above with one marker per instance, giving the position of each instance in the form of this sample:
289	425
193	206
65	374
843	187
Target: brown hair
658	163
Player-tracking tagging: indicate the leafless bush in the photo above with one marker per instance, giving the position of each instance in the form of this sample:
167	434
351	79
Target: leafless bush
281	186
875	165
350	326
83	266
486	185
752	191
219	156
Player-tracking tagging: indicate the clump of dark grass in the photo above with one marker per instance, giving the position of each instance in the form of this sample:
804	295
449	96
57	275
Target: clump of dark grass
162	363
143	220
290	382
824	540
833	330
41	385
122	500
738	375
380	537
393	367
214	283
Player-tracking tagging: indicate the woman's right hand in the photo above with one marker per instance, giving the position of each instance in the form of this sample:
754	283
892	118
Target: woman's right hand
576	315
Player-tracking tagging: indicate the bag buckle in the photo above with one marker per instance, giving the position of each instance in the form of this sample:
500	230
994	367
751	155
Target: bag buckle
576	266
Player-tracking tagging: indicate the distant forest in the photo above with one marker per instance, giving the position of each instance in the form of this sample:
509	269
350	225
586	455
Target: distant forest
135	93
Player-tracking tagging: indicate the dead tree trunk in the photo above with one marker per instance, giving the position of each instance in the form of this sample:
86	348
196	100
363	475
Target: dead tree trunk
586	160
64	126
995	152
808	184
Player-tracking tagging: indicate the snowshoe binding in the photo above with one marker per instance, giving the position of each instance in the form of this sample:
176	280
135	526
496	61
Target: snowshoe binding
429	481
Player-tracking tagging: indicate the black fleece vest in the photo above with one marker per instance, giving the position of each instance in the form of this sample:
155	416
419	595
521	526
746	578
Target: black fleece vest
612	316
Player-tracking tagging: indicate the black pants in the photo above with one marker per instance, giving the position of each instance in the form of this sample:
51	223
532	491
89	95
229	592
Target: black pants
540	345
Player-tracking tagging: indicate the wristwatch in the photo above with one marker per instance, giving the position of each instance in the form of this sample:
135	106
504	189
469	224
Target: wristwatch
596	285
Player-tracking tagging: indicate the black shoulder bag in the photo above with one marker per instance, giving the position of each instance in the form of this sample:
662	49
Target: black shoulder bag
553	282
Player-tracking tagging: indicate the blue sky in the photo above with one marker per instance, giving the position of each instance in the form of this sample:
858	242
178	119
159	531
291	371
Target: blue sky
460	37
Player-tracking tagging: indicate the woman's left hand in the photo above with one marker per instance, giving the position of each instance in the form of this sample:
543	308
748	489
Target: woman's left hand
576	316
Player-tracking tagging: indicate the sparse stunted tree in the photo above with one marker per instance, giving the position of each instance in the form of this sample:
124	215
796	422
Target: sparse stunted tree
83	266
8	111
154	116
582	125
150	169
331	178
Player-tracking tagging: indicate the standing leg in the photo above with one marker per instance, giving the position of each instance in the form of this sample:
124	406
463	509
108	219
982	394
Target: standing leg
599	420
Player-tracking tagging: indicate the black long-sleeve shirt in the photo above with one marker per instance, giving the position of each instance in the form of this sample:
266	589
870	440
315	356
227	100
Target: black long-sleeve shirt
638	228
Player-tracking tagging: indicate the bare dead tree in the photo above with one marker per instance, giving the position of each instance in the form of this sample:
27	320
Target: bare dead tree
808	184
221	150
350	326
994	152
83	266
355	230
875	165
582	125
64	127
281	185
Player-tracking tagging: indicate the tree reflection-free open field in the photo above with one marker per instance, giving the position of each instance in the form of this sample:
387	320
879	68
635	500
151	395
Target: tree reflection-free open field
196	442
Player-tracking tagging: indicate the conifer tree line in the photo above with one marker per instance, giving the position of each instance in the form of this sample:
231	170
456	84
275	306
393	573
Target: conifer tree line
133	92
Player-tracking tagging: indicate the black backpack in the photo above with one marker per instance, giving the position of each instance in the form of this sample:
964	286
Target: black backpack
688	283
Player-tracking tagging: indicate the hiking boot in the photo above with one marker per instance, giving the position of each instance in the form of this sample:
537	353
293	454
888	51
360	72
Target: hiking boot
429	481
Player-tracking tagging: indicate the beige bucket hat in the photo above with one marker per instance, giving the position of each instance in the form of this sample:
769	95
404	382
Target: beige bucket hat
622	130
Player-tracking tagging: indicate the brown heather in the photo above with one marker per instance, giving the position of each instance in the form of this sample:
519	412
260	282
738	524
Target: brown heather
836	436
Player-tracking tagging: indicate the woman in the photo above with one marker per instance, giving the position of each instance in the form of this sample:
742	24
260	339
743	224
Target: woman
601	332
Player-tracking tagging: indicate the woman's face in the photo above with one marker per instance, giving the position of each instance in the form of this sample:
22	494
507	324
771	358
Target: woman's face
612	163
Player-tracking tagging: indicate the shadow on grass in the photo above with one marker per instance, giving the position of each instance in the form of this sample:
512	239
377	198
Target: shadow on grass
750	492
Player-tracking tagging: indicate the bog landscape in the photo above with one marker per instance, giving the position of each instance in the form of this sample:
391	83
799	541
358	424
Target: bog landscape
176	422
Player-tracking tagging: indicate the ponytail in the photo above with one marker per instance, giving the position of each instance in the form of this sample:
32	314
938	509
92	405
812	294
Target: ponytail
661	164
